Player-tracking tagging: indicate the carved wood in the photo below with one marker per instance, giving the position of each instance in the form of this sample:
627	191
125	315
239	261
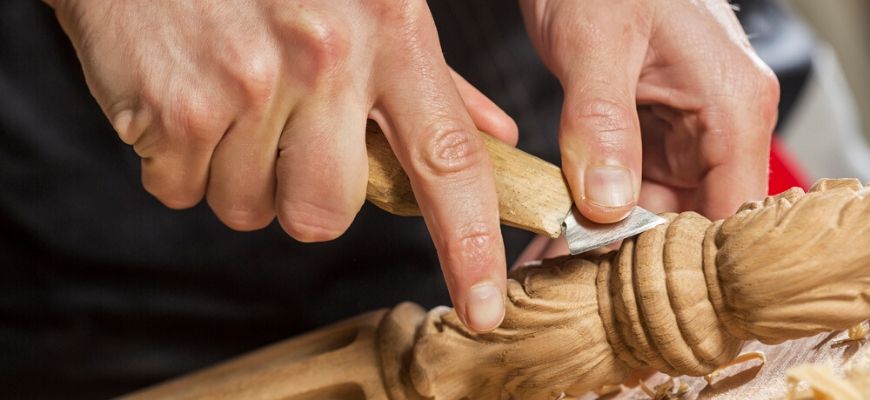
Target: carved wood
680	298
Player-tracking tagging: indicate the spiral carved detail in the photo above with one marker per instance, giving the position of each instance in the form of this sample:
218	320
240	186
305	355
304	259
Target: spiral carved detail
680	298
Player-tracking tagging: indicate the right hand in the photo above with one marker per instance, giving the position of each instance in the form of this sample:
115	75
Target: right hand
261	107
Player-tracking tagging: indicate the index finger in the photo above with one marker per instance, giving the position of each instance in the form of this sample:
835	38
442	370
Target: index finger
435	141
737	144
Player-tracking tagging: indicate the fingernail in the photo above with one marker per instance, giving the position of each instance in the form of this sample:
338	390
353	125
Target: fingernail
609	186
485	307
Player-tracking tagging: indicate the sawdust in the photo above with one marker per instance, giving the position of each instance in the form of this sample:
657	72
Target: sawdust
821	382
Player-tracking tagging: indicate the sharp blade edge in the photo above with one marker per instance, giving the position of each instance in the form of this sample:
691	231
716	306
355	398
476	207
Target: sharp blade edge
584	235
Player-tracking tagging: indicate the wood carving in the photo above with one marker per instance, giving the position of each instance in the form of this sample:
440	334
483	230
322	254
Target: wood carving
680	298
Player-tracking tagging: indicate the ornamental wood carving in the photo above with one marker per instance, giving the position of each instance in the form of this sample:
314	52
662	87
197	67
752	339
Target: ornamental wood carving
681	298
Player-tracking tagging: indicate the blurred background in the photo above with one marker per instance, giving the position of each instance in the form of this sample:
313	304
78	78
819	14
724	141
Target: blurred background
820	50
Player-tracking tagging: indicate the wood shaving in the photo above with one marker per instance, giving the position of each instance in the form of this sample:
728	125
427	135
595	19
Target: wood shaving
819	381
857	334
607	389
743	358
666	390
822	383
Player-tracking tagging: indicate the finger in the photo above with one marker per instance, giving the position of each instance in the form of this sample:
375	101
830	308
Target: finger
485	114
176	178
738	148
734	109
540	248
322	168
176	149
600	134
437	144
556	248
739	172
241	188
532	253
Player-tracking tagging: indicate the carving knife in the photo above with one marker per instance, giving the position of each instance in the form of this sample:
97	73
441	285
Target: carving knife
532	195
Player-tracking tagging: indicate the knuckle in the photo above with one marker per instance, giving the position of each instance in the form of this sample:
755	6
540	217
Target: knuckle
770	95
605	115
196	119
449	147
150	144
717	125
124	118
328	46
309	221
324	42
256	74
472	248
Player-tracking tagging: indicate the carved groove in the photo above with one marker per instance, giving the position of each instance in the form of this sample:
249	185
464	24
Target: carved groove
680	298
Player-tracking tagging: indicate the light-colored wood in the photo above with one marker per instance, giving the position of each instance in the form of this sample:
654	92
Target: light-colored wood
532	194
754	380
339	362
365	357
681	298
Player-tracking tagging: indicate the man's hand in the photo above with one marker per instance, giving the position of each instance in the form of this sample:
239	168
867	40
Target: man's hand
682	73
261	107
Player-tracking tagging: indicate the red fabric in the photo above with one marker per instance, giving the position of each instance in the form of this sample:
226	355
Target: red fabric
785	172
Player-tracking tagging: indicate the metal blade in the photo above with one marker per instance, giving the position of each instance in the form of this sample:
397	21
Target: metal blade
584	235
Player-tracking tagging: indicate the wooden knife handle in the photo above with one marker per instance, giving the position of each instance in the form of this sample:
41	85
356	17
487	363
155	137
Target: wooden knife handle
532	193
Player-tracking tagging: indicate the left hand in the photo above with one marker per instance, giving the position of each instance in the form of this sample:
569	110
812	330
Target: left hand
666	104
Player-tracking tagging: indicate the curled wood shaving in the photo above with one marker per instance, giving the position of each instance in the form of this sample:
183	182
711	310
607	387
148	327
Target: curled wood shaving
607	389
665	390
743	358
856	334
823	384
819	381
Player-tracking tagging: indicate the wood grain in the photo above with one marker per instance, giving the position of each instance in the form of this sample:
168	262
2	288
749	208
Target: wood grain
751	380
682	298
303	368
532	194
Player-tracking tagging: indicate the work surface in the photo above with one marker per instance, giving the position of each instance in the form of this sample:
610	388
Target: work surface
748	380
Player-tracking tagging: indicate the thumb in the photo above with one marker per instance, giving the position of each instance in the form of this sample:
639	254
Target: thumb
597	54
600	144
599	135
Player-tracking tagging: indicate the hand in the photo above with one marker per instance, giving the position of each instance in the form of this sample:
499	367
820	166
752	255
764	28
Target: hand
682	73
261	107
